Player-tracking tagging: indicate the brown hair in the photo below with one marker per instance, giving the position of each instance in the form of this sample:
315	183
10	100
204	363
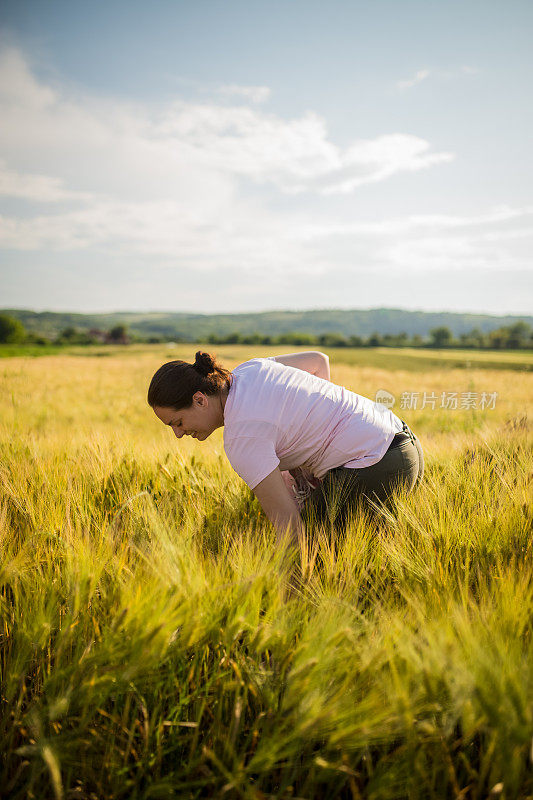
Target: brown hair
175	383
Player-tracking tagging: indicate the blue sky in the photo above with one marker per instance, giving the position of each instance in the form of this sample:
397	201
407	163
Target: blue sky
235	156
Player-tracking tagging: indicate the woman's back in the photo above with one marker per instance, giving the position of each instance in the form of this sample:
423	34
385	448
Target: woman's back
278	415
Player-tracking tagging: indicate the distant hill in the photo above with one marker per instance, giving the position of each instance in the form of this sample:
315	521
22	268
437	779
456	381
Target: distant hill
196	327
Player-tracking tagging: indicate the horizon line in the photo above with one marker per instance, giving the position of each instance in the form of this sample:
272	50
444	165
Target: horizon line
271	311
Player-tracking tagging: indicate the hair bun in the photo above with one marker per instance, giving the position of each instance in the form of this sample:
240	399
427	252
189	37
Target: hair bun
204	363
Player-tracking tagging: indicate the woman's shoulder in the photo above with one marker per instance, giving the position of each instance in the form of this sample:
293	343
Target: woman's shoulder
251	398
257	362
254	367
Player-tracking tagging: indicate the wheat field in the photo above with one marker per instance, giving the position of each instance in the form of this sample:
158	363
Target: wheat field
154	643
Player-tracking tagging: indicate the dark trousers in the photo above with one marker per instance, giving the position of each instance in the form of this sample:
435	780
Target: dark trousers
342	489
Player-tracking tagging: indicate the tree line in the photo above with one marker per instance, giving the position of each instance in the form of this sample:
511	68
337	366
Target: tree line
518	336
12	331
514	337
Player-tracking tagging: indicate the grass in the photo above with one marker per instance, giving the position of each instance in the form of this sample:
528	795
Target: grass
410	358
154	643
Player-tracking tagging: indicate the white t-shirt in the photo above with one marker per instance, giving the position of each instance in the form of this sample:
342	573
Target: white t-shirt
282	416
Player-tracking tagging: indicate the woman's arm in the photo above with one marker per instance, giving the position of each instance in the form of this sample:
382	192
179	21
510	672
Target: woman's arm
312	361
280	507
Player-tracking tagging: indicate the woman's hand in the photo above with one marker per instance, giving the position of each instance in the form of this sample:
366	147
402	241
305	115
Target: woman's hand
290	481
279	504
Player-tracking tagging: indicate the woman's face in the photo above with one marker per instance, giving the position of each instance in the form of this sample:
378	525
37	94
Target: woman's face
198	421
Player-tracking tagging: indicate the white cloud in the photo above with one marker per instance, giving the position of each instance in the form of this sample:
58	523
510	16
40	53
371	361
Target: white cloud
427	243
420	76
418	223
461	253
295	155
184	185
39	188
121	149
446	74
253	242
257	94
160	230
376	160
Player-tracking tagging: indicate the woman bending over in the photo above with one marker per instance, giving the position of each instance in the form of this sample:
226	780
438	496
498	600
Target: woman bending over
307	448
